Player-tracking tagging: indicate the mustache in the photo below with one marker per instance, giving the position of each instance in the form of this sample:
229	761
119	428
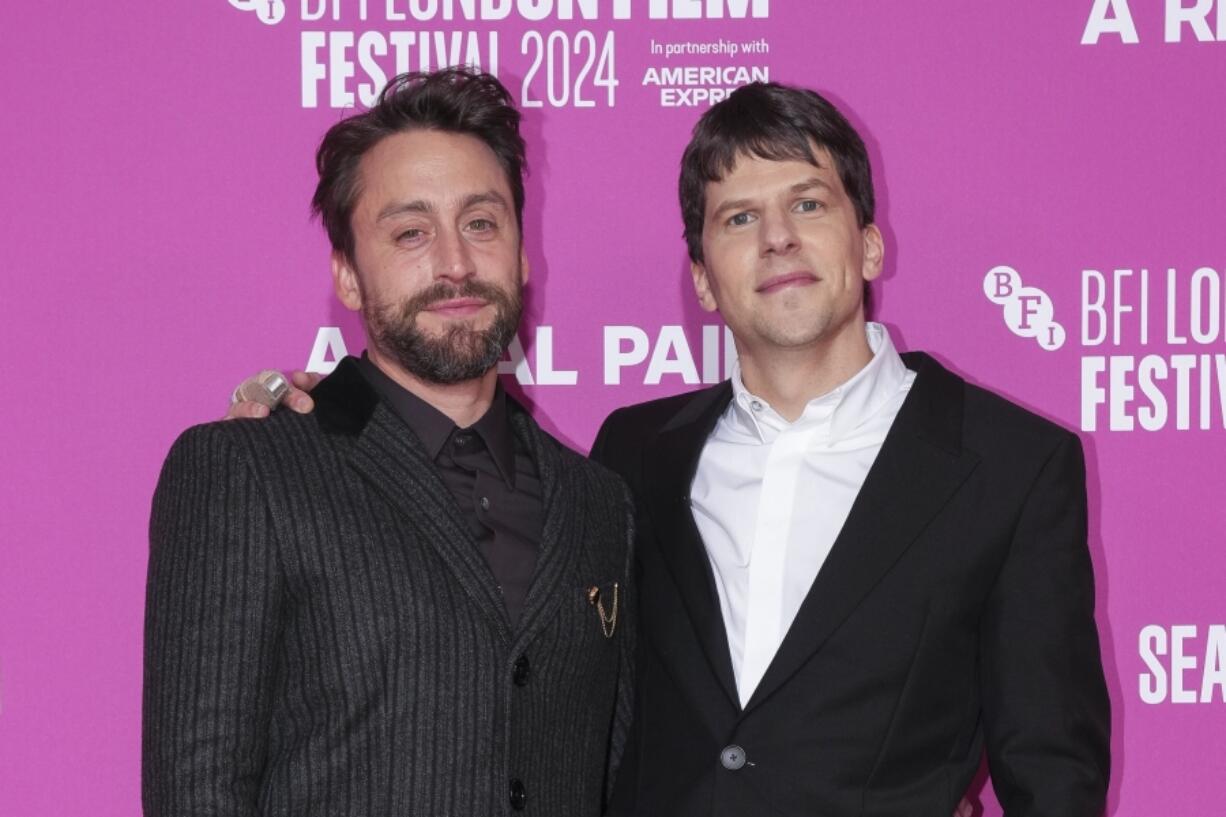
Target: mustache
445	291
460	353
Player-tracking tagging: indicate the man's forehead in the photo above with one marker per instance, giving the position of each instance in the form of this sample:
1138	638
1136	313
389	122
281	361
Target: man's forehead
751	170
818	158
437	168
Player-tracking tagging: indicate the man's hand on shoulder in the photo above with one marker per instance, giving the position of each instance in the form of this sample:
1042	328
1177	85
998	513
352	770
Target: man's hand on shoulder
297	399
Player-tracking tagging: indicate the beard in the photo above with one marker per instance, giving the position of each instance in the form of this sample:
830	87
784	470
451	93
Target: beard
460	353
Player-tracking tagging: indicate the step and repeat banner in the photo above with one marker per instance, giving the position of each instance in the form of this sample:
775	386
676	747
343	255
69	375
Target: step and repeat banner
1051	179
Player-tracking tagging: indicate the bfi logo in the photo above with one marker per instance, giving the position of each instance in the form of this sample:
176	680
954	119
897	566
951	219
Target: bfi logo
269	12
1028	311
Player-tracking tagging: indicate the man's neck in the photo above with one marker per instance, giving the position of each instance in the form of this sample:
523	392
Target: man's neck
789	378
465	402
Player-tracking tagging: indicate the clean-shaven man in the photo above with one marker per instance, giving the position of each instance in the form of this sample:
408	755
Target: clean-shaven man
857	570
413	601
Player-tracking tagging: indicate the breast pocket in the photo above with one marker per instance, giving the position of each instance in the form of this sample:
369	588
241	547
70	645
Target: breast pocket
590	629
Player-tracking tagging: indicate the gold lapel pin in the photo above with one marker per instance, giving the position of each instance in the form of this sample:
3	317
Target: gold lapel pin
608	622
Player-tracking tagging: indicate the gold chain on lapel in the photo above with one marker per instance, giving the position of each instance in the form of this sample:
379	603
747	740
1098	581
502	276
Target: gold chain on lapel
608	623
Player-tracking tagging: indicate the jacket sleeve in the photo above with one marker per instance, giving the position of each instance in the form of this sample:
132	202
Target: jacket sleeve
212	624
1046	711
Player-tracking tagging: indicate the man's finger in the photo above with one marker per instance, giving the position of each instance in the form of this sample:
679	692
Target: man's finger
299	401
305	380
965	809
246	408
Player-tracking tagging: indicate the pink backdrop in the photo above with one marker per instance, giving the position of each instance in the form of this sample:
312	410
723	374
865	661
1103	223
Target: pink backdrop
157	167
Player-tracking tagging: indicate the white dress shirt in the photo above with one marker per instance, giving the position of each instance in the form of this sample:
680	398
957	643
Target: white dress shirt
770	497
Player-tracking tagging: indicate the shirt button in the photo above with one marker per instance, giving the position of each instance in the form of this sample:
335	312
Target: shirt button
519	797
732	758
485	503
461	440
521	671
756	405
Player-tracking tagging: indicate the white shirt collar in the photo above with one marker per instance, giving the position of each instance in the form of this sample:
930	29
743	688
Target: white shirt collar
843	408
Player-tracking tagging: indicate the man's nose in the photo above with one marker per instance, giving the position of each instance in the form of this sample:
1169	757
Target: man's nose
455	256
778	233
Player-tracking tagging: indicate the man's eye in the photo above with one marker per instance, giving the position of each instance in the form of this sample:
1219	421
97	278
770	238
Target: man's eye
481	225
740	220
809	206
410	234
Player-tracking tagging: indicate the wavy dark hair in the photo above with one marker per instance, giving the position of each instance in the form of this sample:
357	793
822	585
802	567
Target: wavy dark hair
775	122
454	100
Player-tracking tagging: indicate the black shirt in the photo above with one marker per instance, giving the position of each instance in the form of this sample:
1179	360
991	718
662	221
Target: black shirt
489	472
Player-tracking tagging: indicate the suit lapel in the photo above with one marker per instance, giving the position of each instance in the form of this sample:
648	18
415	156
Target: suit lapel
919	468
391	458
387	455
669	471
559	547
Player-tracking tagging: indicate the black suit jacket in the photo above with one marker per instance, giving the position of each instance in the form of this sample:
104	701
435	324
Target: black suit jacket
324	638
956	606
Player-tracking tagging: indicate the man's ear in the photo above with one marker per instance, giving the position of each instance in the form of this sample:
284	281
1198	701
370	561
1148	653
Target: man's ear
524	266
702	286
345	281
874	253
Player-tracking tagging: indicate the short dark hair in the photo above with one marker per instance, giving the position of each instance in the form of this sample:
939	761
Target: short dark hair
775	122
453	100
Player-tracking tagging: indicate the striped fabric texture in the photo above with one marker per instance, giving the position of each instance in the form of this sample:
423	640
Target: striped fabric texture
323	637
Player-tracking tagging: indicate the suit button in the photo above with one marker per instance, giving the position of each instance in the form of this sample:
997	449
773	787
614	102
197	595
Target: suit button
520	671
519	797
732	758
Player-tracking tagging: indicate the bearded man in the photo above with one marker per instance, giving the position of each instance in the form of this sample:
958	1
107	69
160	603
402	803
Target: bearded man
413	600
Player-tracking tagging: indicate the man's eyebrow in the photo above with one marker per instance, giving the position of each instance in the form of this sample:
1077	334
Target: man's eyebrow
734	204
810	184
397	208
488	197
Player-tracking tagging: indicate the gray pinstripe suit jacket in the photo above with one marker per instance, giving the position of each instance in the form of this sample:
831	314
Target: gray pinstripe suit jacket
324	638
